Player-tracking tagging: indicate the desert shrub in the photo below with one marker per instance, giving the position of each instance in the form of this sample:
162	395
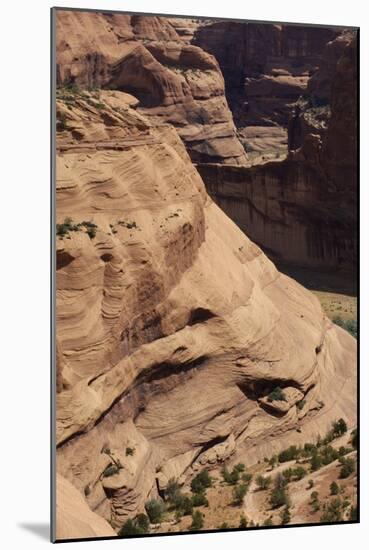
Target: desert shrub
328	454
276	394
291	453
243	522
339	427
334	489
310	448
285	515
172	490
87	490
155	510
138	526
223	525
273	461
130	451
246	478
287	474
347	467
197	521
238	493
298	473
342	451
262	482
232	478
333	512
61	123
279	496
199	499
353	513
316	462
314	501
111	470
268	522
185	505
240	467
201	482
310	484
347	324
300	405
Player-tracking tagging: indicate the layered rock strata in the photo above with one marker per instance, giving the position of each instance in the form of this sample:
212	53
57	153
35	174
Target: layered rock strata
172	325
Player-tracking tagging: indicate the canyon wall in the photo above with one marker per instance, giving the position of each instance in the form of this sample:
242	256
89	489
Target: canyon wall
174	81
266	69
302	209
172	326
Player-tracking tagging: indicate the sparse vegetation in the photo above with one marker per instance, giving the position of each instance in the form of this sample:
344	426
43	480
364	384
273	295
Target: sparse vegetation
263	483
285	515
197	521
138	526
276	395
347	467
201	482
239	493
155	510
333	488
111	470
199	499
243	522
332	511
350	325
130	451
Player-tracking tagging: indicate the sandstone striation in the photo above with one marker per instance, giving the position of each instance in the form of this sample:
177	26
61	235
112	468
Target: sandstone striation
302	209
172	325
174	81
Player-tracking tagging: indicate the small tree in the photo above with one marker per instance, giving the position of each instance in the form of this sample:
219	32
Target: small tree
197	521
238	494
347	468
285	515
314	501
279	497
310	484
339	427
263	483
155	510
243	522
268	522
201	482
199	499
334	489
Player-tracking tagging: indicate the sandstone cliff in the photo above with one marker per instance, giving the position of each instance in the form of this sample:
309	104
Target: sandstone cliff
266	68
174	81
302	209
172	325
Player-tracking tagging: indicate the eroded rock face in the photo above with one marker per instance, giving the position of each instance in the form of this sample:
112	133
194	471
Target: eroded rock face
172	325
302	209
266	68
174	81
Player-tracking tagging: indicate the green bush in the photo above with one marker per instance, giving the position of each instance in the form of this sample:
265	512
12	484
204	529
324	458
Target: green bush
333	512
292	453
155	510
238	493
201	482
347	324
334	489
300	405
197	521
243	522
199	499
246	478
279	497
138	526
240	467
172	490
130	451
310	484
328	454
316	462
339	427
268	522
232	478
285	515
276	395
347	467
111	470
262	482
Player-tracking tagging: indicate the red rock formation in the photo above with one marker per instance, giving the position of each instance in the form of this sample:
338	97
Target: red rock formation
174	81
302	210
